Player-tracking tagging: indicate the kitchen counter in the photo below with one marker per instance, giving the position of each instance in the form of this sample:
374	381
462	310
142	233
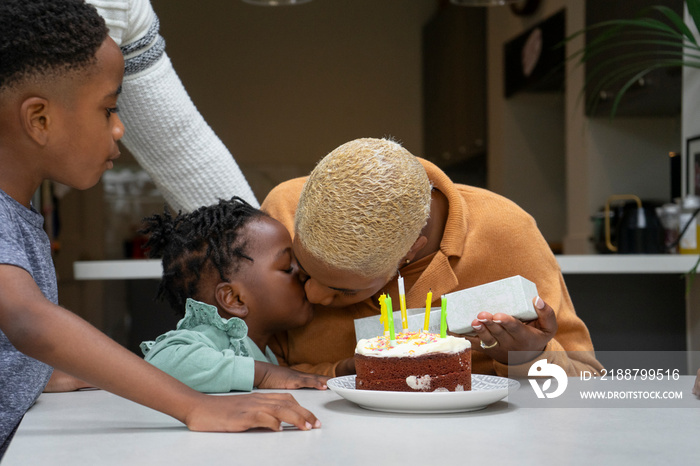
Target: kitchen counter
570	264
98	428
131	269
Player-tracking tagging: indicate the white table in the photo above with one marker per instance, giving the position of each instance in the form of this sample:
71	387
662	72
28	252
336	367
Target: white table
98	428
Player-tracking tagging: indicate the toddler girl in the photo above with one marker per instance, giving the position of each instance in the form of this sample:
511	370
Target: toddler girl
229	269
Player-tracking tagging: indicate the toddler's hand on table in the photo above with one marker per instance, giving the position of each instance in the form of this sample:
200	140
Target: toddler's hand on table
237	413
499	333
272	376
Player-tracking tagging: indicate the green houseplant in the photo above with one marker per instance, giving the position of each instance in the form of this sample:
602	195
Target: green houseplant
656	38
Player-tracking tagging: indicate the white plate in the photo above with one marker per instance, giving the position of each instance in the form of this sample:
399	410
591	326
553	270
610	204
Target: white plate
486	390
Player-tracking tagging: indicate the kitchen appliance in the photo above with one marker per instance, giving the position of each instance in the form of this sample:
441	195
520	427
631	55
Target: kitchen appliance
632	227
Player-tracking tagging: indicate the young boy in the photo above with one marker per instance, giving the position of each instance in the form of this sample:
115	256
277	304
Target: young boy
60	76
228	269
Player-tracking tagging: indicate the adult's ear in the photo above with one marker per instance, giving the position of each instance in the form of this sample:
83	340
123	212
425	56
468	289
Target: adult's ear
230	296
35	119
417	246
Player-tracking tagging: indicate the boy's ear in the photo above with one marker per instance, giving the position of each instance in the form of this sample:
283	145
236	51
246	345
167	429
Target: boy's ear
35	119
231	298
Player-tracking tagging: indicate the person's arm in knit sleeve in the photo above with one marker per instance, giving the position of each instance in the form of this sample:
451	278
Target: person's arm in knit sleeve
164	130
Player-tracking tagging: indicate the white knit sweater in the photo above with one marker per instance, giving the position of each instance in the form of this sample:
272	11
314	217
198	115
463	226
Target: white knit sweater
164	130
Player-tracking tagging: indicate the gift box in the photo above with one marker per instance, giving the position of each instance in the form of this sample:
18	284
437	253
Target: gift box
513	296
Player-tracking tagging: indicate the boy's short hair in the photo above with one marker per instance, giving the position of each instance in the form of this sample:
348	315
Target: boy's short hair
45	37
205	240
363	207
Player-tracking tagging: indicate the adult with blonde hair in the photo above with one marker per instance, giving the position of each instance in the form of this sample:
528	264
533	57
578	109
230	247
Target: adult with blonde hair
370	210
390	204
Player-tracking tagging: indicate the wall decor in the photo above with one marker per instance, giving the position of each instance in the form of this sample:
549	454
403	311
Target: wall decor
692	154
534	60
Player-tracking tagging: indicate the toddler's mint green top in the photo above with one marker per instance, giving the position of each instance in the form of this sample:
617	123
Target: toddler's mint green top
207	352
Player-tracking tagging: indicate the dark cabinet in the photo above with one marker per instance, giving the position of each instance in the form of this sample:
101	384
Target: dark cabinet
658	93
454	93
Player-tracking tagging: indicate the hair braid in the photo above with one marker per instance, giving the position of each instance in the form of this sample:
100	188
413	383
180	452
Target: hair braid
190	243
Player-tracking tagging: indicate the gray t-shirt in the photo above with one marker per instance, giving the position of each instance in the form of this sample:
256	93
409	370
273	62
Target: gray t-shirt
24	244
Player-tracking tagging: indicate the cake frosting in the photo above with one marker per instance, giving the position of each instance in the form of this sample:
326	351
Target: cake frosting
410	344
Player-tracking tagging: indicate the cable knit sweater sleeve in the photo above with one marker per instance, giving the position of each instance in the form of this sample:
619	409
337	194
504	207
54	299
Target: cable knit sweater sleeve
164	130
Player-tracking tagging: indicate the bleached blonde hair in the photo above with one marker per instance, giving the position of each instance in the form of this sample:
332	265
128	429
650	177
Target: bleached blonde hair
363	207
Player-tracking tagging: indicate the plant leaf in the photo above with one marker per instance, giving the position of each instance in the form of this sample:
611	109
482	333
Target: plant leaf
677	21
694	11
625	50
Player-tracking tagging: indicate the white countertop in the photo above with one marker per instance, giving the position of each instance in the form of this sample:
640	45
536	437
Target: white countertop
570	264
118	269
627	263
98	428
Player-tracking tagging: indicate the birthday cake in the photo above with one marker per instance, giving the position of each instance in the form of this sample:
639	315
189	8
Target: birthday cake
414	362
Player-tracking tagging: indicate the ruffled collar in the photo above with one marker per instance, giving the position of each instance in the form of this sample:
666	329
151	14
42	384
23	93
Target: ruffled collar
198	313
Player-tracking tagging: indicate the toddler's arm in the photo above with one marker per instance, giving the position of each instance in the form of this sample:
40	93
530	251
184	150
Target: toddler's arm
271	376
194	360
61	339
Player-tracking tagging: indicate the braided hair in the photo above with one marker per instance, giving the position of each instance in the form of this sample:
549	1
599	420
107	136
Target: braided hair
41	37
189	244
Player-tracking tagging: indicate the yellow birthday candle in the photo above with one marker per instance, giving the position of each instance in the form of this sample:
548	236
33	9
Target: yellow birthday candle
428	305
382	316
